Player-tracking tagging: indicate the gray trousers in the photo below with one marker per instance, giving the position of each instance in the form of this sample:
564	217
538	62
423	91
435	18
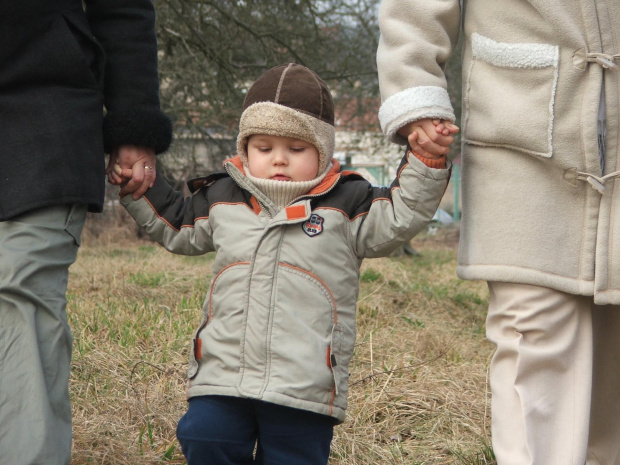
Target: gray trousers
36	250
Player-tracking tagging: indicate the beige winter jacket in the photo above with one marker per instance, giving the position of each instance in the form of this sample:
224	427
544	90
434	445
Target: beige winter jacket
537	206
279	318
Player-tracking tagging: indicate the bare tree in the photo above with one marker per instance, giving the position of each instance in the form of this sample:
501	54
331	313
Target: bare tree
212	50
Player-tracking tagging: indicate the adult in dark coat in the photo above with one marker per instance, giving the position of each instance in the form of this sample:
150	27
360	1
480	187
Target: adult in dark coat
62	62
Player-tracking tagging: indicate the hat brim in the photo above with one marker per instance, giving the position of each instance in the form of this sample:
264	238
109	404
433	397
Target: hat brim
278	120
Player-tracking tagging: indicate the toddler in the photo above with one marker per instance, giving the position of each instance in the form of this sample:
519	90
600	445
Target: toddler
268	372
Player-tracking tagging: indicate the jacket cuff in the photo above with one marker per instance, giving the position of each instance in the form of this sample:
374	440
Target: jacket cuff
437	163
150	129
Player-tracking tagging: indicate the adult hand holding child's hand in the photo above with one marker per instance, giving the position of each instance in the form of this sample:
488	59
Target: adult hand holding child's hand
428	137
132	168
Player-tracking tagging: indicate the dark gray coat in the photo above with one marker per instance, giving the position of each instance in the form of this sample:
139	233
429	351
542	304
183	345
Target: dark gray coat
60	65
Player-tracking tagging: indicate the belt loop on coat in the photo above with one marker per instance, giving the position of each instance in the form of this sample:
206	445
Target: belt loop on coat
597	182
604	60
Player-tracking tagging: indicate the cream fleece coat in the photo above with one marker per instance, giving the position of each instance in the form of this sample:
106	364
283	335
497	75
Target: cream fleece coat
537	206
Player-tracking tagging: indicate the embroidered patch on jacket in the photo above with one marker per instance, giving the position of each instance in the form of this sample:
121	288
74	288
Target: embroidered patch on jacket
314	226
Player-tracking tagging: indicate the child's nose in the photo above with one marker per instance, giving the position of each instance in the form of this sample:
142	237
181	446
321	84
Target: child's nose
280	156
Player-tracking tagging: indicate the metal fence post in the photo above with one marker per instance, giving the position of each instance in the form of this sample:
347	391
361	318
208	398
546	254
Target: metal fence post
456	182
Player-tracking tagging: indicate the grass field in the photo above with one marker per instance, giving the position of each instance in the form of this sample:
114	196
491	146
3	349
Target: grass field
418	379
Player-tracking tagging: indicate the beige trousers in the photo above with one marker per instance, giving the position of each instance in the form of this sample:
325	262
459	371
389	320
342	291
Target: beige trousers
555	377
36	250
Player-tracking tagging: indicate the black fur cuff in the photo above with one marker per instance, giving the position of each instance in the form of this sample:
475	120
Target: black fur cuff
142	128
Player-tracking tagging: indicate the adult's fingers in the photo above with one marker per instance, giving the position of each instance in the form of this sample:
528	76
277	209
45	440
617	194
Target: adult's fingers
429	146
142	177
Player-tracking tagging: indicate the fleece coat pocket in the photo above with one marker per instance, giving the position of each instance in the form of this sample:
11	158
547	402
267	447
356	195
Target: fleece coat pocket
509	96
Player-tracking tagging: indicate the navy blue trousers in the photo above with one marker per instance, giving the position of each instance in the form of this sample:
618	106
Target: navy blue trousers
221	430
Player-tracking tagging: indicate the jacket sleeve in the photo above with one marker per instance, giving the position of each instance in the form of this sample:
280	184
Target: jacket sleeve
397	213
181	225
126	31
417	38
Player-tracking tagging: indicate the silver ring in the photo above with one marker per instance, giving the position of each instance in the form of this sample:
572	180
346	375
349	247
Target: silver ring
148	167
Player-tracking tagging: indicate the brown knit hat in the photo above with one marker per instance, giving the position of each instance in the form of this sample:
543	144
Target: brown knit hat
290	101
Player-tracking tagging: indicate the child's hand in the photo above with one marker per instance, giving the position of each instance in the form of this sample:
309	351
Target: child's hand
428	137
114	171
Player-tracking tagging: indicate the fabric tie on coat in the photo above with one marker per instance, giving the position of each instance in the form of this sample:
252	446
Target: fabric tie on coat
581	58
597	182
603	59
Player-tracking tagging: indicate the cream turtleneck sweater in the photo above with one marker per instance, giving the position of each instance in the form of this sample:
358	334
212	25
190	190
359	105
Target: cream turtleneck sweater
281	193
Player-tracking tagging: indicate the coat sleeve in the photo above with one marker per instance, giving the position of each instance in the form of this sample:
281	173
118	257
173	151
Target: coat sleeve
126	31
181	225
417	39
399	212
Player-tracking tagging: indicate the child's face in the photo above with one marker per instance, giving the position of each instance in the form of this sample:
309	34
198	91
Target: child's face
282	158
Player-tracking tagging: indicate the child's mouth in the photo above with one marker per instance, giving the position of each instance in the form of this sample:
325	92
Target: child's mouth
280	177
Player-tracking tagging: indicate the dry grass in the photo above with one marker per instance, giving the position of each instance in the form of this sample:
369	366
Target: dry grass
418	384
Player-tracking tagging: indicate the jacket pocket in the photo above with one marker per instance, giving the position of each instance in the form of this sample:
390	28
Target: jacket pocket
215	346
510	94
304	315
336	362
195	354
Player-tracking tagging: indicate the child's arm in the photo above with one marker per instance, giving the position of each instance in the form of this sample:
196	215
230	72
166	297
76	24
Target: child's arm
181	225
429	137
397	213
